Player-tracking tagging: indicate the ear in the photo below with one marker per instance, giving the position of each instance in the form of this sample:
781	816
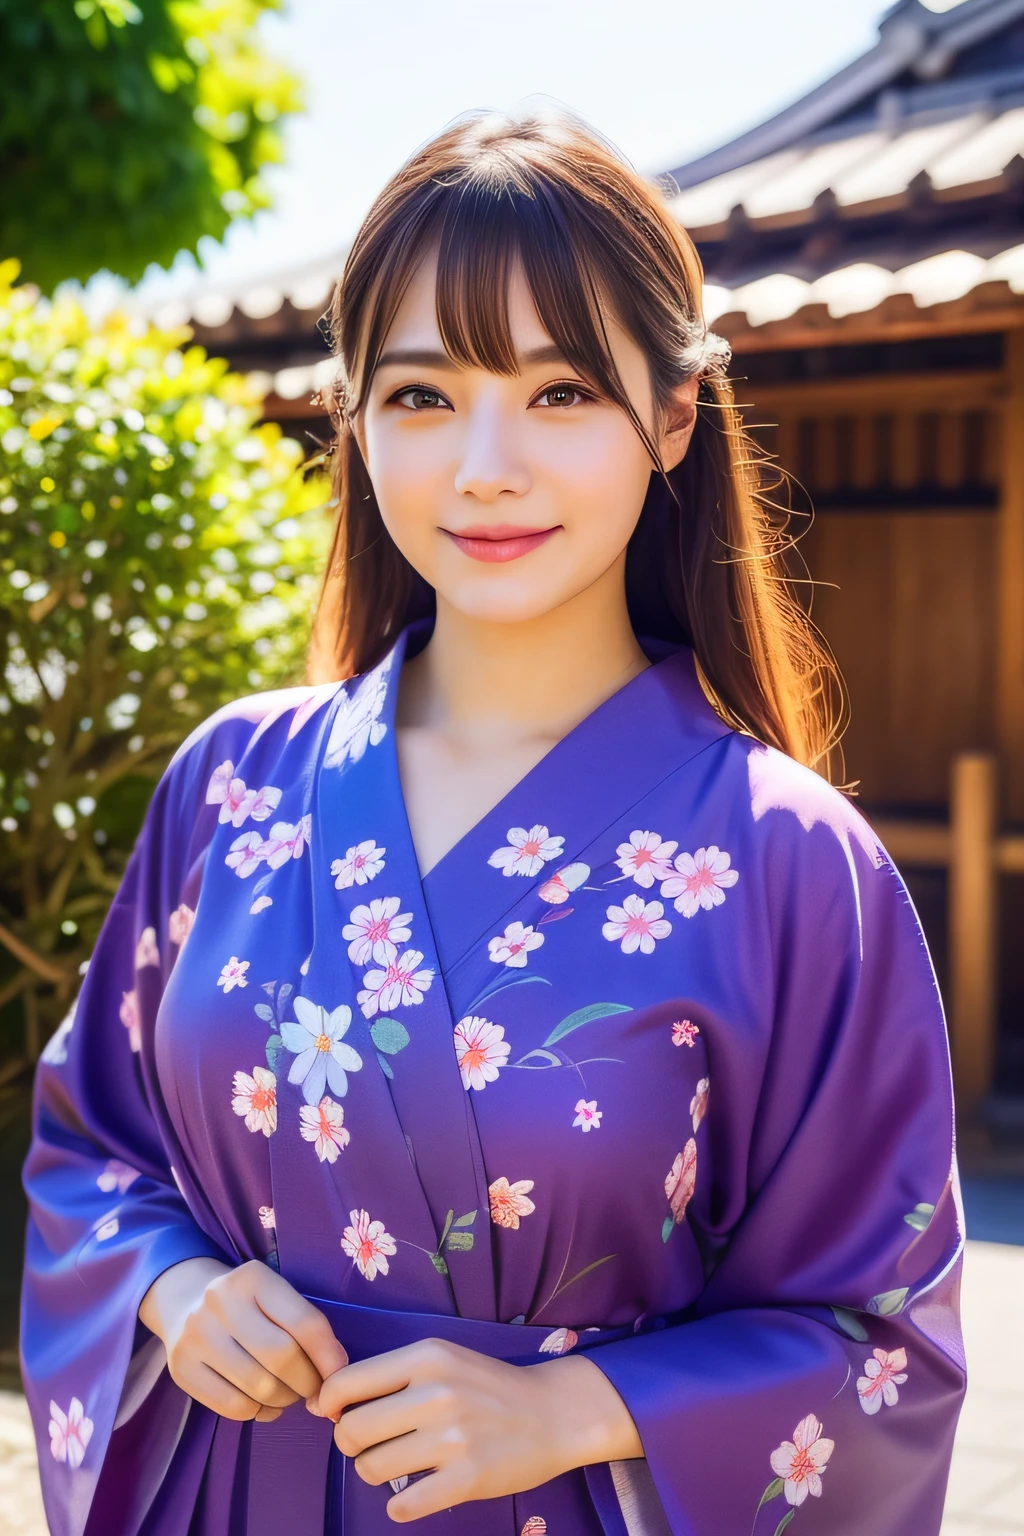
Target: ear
680	420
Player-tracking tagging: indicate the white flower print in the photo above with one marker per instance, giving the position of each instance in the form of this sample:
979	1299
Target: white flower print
267	1217
245	854
117	1175
324	1125
527	852
588	1116
322	1058
357	724
108	1229
360	864
702	880
510	1202
638	924
403	983
260	904
377	930
237	803
513	946
217	789
146	952
560	1342
481	1050
883	1373
699	1102
233	974
255	1097
129	1014
801	1461
368	1245
287	840
179	925
70	1433
646	857
557	889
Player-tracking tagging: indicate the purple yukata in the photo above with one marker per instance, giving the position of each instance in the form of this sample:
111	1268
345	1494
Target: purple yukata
651	1065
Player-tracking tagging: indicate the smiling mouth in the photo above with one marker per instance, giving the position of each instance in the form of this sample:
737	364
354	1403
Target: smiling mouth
500	543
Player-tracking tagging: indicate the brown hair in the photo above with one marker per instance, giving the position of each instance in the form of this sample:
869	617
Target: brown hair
707	562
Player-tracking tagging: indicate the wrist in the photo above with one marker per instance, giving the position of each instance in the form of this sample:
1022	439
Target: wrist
175	1292
588	1419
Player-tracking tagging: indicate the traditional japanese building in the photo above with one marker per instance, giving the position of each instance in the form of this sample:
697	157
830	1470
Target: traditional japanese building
864	254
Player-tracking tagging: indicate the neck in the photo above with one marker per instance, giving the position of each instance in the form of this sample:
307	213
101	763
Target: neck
539	678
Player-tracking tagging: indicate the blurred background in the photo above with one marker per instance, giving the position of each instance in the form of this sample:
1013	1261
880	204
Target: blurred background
179	180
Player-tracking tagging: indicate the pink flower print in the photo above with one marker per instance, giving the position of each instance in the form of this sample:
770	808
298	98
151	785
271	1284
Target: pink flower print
684	1033
180	924
588	1116
237	803
217	789
699	1102
260	904
883	1373
563	882
682	1178
322	1059
130	1018
324	1125
646	857
287	840
509	1202
267	1217
560	1342
359	865
801	1461
702	880
535	1526
402	983
638	924
233	974
70	1433
255	1097
376	931
117	1175
146	952
481	1050
246	854
527	852
368	1245
513	946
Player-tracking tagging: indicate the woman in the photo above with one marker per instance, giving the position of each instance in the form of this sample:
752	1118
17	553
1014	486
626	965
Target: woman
527	999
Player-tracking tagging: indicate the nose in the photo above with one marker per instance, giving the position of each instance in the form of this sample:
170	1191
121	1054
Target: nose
492	463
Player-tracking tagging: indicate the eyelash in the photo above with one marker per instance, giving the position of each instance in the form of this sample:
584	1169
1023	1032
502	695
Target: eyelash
422	389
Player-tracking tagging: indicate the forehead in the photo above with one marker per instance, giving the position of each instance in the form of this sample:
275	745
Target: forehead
416	318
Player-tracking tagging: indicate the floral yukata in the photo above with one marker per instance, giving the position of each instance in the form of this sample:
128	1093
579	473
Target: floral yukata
650	1065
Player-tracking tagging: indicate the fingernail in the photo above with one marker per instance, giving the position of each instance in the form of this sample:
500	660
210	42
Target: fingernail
314	1407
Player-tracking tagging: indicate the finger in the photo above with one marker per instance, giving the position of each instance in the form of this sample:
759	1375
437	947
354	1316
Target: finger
383	1419
307	1325
268	1415
208	1387
428	1496
421	1451
277	1351
238	1367
429	1360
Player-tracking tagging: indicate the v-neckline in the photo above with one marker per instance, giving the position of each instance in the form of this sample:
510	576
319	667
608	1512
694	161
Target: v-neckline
586	780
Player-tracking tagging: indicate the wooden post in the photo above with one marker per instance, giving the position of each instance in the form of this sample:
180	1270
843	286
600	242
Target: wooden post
1010	584
972	926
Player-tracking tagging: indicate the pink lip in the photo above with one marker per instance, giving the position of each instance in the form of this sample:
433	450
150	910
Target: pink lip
500	542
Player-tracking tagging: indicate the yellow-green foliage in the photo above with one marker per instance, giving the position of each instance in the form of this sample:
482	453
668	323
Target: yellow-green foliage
159	553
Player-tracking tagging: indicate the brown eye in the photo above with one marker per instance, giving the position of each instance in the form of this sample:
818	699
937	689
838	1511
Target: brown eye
421	399
562	395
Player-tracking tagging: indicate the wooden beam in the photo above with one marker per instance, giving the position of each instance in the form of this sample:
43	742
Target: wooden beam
1010	586
966	389
972	926
781	335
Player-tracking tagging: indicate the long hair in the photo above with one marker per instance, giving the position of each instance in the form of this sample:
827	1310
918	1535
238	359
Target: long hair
708	563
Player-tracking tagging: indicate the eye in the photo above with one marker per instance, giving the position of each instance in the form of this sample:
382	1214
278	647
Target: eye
416	398
560	396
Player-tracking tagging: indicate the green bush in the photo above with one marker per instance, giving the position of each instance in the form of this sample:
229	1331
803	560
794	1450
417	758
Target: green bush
130	130
159	554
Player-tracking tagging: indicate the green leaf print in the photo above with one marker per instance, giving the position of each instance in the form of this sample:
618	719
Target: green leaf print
666	1229
439	1263
919	1217
459	1242
585	1016
888	1303
389	1036
787	1517
851	1324
275	1045
385	1066
771	1492
465	1221
265	1012
500	985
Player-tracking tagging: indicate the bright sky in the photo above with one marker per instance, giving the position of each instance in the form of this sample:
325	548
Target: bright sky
664	79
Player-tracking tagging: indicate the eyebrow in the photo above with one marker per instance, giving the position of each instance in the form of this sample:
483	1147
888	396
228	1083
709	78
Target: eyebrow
424	357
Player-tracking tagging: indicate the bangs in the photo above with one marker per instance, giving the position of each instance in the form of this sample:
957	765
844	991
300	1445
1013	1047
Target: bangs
482	227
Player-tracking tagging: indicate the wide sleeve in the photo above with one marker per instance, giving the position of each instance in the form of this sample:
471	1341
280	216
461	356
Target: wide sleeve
105	1214
818	1380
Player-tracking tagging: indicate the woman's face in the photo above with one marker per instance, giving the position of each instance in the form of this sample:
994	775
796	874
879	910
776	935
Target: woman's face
510	496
